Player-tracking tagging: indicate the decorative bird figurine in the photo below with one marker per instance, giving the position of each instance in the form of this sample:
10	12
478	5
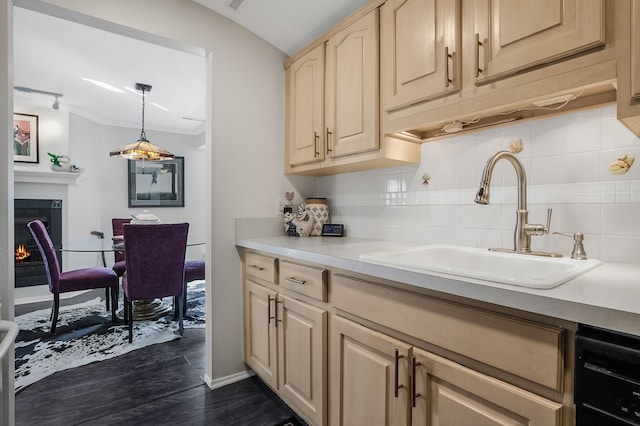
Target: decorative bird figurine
621	165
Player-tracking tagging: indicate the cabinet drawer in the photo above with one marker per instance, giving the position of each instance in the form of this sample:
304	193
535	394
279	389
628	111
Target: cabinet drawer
304	279
523	348
262	267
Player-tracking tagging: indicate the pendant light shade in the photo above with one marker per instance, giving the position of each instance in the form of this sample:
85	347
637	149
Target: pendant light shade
142	149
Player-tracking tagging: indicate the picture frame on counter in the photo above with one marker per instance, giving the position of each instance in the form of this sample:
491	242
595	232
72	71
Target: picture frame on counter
26	147
156	183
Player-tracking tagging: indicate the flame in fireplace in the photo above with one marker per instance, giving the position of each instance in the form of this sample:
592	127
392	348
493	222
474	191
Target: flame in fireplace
22	253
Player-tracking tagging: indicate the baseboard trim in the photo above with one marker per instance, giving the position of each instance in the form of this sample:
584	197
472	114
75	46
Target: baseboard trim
227	380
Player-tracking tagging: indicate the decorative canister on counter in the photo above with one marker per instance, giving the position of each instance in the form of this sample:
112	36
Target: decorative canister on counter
319	210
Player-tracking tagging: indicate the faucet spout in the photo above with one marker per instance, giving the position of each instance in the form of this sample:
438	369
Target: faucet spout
522	240
482	197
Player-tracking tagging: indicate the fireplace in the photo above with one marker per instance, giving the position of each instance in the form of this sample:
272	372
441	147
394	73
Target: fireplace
29	265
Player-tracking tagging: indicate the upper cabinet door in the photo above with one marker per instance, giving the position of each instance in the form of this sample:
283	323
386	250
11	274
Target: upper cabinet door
420	51
516	35
352	101
306	108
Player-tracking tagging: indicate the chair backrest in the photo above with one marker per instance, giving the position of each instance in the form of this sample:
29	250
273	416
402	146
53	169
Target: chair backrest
154	256
48	252
116	226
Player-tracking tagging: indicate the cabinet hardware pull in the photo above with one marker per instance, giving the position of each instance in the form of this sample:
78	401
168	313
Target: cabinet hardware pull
414	395
396	386
269	299
294	280
328	141
281	315
315	144
478	43
447	56
256	267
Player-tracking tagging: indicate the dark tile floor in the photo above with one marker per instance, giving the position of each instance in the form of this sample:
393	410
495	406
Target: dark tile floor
157	385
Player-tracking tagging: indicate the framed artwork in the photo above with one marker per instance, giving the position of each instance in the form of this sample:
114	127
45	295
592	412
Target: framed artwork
156	183
25	138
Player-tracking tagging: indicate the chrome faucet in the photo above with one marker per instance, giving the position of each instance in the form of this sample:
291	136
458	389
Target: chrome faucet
523	230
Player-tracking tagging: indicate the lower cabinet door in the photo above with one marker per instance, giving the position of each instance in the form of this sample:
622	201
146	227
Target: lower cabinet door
446	393
369	377
302	336
260	340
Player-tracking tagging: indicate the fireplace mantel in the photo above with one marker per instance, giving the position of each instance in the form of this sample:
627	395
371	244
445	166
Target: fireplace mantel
28	175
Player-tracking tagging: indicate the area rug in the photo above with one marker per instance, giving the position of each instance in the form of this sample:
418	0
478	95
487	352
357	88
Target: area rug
85	334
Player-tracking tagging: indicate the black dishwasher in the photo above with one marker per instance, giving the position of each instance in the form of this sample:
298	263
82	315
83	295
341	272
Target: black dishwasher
607	377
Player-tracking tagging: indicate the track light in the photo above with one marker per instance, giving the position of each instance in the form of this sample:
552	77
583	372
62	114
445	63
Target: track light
56	103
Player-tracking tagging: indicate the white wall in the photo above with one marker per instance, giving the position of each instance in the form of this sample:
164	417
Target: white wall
566	159
245	136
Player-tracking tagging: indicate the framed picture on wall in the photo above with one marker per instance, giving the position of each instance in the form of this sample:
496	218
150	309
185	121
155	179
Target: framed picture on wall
25	138
156	183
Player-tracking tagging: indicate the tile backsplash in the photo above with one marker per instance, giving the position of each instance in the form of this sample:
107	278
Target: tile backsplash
566	158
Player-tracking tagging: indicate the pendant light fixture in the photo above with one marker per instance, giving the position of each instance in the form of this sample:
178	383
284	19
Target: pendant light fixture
142	149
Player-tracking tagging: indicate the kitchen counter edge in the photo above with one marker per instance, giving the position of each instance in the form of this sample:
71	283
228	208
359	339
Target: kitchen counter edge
605	296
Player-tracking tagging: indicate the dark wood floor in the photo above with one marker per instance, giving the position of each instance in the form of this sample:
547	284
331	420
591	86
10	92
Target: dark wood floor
157	385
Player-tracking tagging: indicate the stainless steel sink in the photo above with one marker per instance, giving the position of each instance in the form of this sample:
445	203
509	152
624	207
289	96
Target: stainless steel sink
507	268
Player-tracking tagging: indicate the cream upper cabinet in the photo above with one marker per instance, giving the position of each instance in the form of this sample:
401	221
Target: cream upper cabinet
420	50
333	105
302	333
446	393
370	378
351	80
306	108
516	35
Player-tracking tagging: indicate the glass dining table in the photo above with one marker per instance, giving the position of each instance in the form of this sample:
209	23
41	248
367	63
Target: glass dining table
142	309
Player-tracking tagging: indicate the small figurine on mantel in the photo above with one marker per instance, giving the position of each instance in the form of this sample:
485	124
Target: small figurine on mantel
61	163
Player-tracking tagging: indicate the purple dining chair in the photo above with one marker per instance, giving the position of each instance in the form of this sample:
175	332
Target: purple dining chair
117	224
193	270
75	280
154	265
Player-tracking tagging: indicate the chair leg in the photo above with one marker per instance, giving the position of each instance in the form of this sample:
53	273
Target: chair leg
54	312
180	314
130	315
107	297
184	302
114	303
184	299
125	309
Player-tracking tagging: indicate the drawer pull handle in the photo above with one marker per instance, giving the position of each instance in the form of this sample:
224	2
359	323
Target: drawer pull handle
396	386
316	138
294	280
414	395
256	267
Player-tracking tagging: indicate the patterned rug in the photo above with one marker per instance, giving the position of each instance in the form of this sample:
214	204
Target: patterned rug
85	334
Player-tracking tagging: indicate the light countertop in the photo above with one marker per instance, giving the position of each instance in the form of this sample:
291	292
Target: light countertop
607	296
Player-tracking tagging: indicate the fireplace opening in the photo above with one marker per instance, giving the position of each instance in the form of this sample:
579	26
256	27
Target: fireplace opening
29	265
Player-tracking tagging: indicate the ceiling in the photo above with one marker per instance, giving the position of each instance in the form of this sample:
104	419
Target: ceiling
60	56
